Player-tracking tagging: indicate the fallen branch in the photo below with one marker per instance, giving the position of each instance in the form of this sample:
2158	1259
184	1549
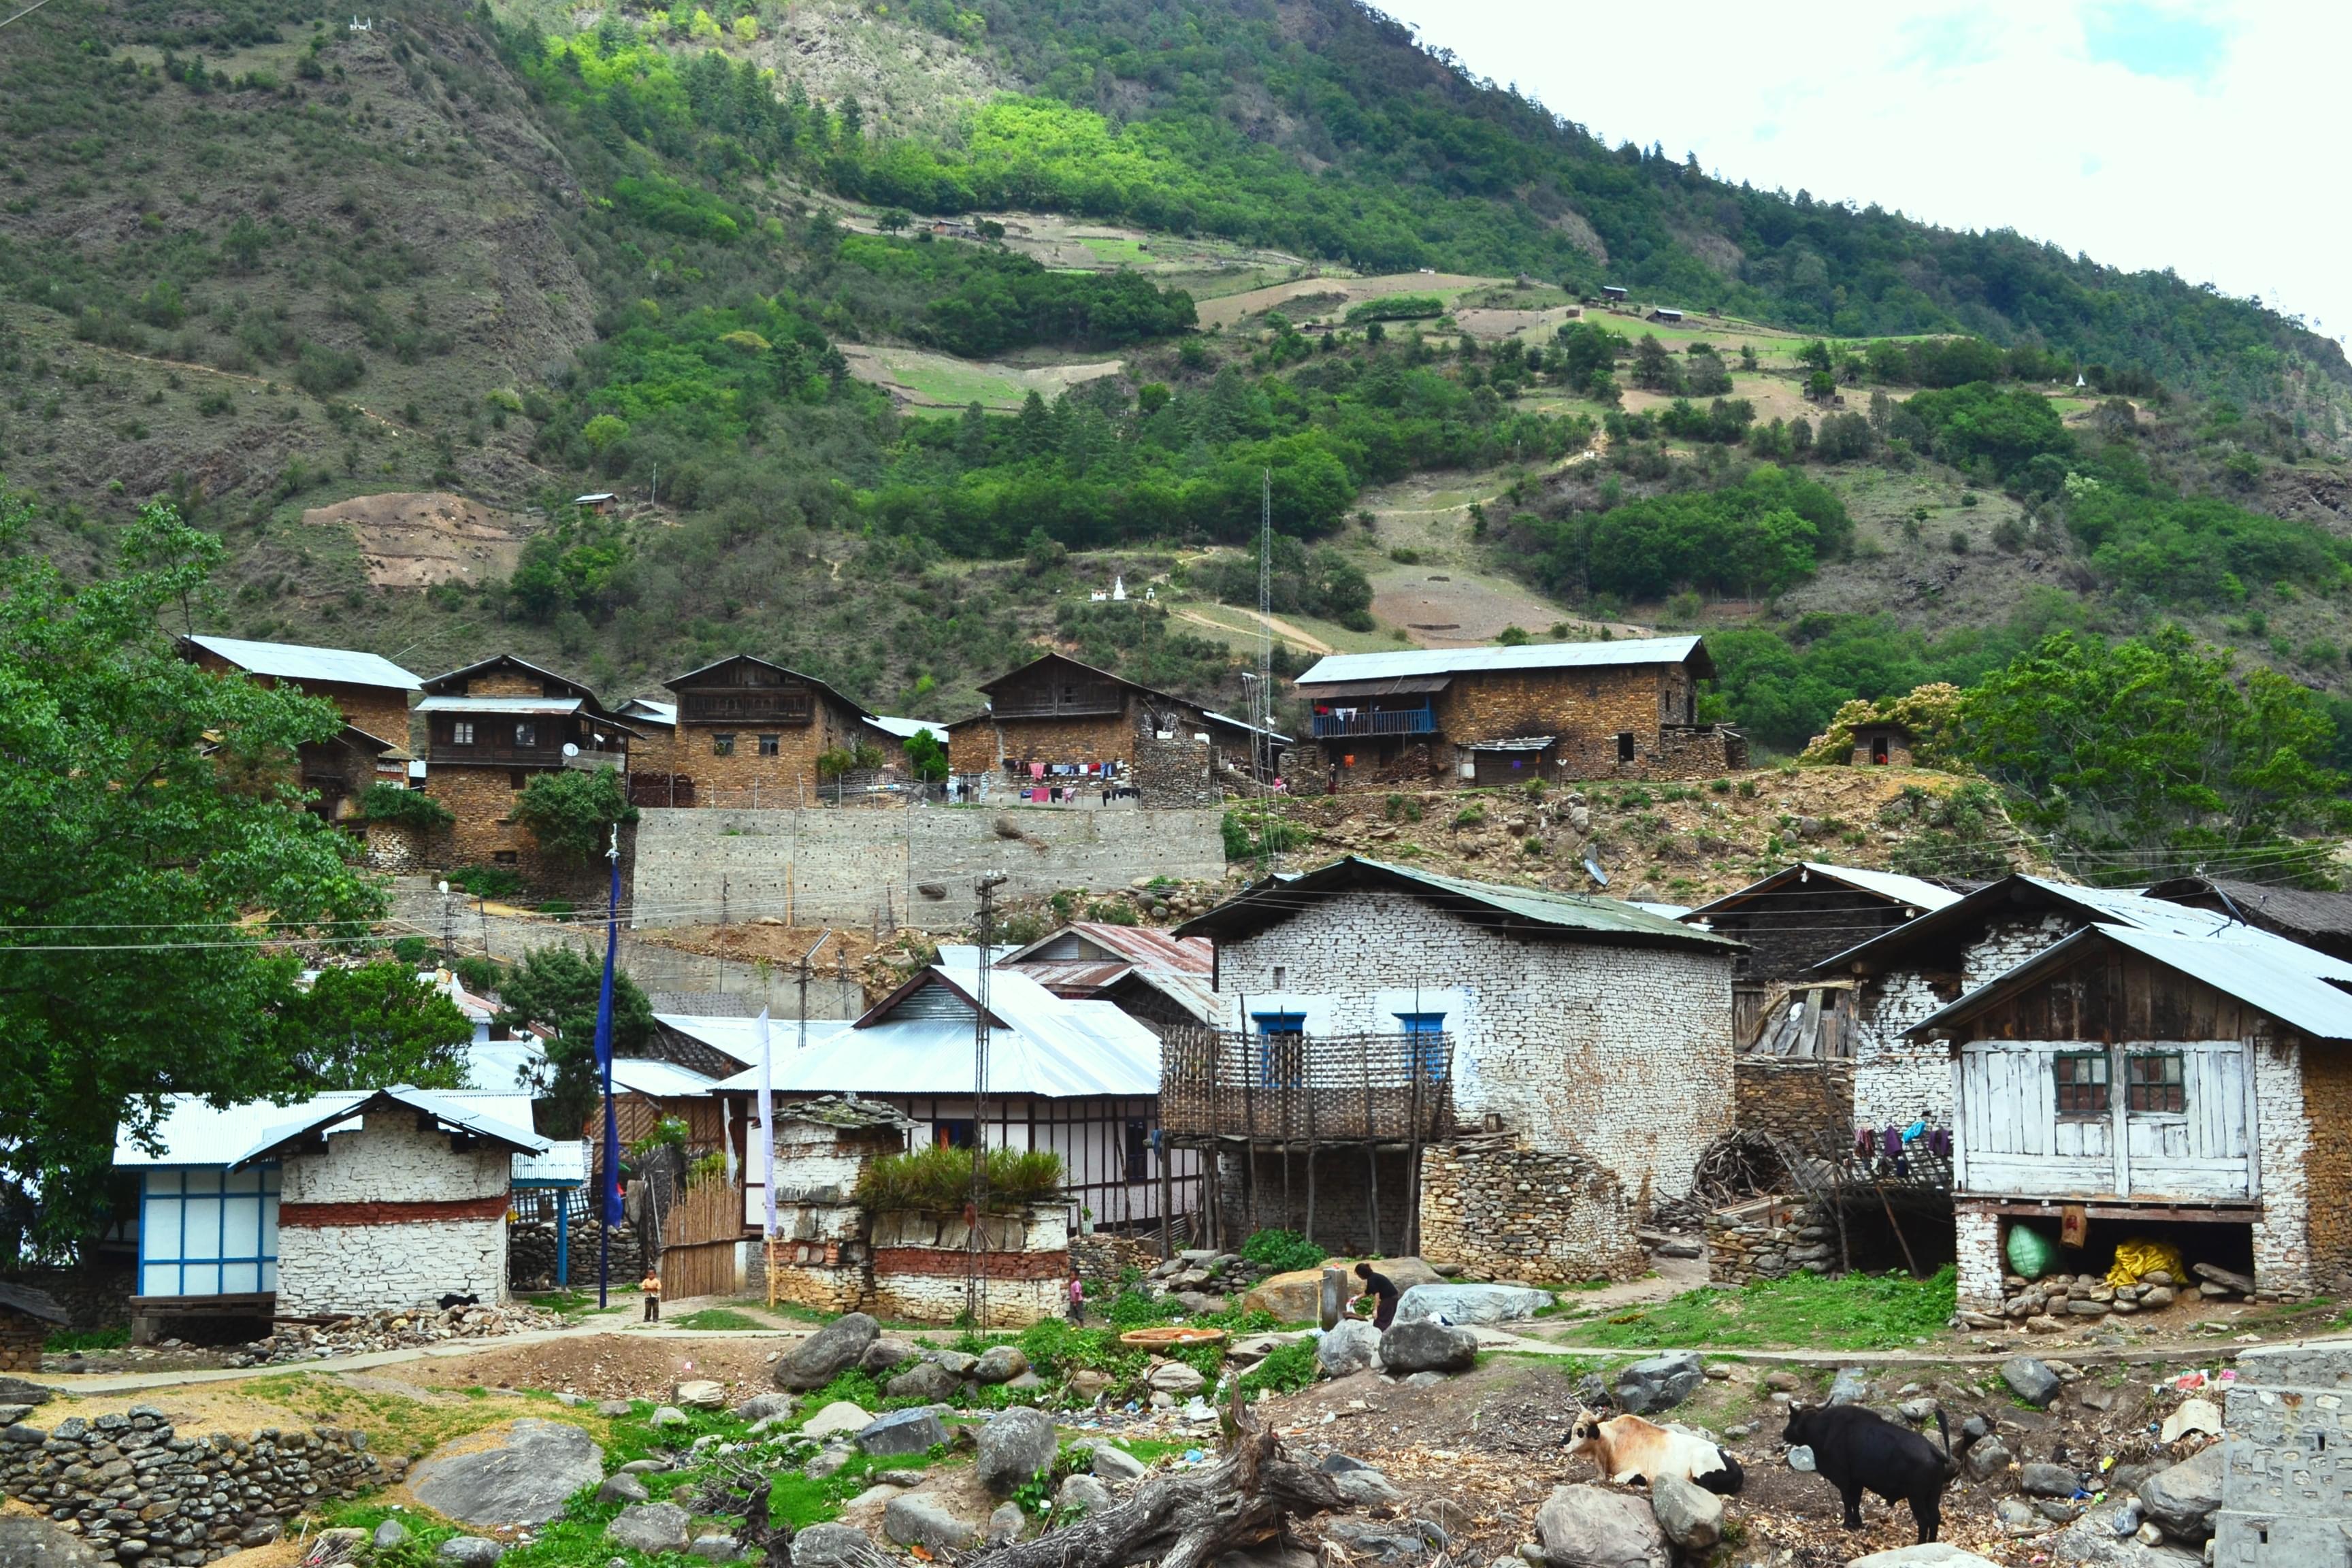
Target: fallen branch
1190	1520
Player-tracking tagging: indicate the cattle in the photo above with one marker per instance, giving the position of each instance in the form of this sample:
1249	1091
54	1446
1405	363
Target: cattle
1858	1450
454	1299
1627	1449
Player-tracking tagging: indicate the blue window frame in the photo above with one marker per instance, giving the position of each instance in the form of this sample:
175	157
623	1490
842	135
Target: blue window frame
209	1232
1281	1049
1425	1032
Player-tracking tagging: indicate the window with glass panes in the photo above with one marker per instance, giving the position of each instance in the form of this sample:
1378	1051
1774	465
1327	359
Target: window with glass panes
2081	1080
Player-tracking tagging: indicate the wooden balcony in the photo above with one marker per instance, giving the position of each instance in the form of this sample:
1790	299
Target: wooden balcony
1060	703
1368	721
1306	1088
446	755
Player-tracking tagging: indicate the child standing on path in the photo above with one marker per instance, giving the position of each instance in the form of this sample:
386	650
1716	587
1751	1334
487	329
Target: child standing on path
651	1286
1077	1300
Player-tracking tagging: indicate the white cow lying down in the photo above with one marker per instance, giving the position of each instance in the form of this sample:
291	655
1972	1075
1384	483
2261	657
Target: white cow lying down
1627	1449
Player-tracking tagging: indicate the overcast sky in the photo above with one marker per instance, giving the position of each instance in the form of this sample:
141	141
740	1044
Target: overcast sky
2208	138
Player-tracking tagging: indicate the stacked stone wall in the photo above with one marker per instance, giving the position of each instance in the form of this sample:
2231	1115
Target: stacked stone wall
981	744
95	1294
1770	1239
482	800
138	1492
1515	1212
1976	1242
1175	772
743	777
389	1218
21	1338
1803	1102
2283	1260
2327	1165
1897	1081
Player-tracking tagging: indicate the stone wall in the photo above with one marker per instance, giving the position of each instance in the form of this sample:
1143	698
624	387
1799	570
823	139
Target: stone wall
2283	1260
137	1492
743	777
1798	925
388	1216
1620	1054
95	1294
981	744
21	1338
393	848
2327	1165
1976	1241
1770	1238
1510	1212
2287	1482
532	1252
1176	772
483	801
1896	1081
1801	1100
849	866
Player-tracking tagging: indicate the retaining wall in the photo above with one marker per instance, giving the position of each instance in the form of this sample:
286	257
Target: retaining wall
912	868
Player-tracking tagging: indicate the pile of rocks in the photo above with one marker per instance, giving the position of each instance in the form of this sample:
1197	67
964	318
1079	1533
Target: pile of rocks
1205	1275
387	1330
138	1493
2058	1302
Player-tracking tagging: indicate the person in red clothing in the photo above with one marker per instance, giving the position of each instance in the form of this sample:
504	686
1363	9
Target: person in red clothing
1077	1300
1383	1292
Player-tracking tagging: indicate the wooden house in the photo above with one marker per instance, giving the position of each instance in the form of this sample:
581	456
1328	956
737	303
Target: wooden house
369	691
1612	292
1161	981
1404	1058
746	732
1906	973
1493	716
1800	915
492	727
1666	314
2125	1082
1057	731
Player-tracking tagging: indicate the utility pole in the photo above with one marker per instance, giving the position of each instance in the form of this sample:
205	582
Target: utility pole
975	1286
1261	709
448	931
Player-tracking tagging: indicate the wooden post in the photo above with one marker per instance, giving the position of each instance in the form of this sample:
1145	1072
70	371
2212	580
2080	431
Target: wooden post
1307	1080
1412	1152
1372	1145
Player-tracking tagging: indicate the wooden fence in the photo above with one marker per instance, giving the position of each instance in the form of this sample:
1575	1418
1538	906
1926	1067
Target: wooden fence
1292	1087
702	1233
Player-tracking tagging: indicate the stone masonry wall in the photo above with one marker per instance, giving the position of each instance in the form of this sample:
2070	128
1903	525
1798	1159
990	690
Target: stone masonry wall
2328	1167
1896	1081
1620	1054
1768	1239
1976	1240
1515	1212
980	745
2287	1482
137	1492
1348	1186
1175	772
21	1338
743	777
844	865
388	1217
483	801
2283	1260
1798	1100
1586	709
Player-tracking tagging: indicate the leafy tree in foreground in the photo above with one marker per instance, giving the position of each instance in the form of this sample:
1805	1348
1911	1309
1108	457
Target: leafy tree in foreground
2149	759
558	989
150	808
373	1027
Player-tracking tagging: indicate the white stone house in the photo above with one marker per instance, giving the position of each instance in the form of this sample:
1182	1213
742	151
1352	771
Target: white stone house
1908	972
351	1201
2193	1088
1571	1028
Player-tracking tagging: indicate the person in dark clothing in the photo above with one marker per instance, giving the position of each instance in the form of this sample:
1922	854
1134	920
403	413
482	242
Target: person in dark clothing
1383	1291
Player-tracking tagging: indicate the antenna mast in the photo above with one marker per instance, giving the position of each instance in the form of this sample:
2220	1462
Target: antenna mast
1262	708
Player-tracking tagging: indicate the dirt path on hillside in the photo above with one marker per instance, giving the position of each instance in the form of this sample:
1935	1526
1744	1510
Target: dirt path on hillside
1280	627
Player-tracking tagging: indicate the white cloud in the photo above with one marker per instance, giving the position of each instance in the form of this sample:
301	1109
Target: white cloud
2204	138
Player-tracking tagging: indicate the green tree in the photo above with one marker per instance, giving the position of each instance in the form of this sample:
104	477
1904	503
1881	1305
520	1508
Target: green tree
925	756
573	814
2150	759
373	1027
554	988
152	807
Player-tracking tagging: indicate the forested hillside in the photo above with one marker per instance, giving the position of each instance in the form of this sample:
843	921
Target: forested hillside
901	330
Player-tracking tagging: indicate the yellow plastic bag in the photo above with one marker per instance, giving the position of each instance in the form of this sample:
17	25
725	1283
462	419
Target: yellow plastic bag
2137	1256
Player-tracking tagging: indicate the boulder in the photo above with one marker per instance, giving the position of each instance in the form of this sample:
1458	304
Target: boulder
2100	1540
2227	1279
18	1391
650	1526
1297	1297
2039	1479
388	1534
716	1548
1801	1458
761	1406
1006	1523
827	1354
919	1519
1428	1345
34	1542
1348	1347
956	1362
2182	1499
830	1460
1000	1364
840	1419
669	1415
1660	1383
1080	1494
613	1409
1588	1527
1366	1487
1015	1447
925	1380
1176	1377
1985	1460
1691	1516
1851	1385
2029	1379
1928	1554
525	1478
1472	1303
903	1432
623	1489
1116	1463
834	1546
471	1551
886	1352
700	1393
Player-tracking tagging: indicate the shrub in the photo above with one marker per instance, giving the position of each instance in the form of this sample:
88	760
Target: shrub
941	1179
1284	1371
1283	1251
404	808
486	881
573	814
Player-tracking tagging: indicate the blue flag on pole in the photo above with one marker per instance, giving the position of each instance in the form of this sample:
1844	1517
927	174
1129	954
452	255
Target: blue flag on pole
612	1160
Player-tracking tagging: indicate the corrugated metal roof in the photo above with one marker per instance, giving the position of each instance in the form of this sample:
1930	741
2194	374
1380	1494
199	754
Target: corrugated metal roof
1527	655
552	706
299	661
1149	947
1076	977
1245	725
908	728
1048	1047
2298	910
660	1080
461	1112
2299	987
192	1132
1276	899
2100	906
565	1165
1911	893
1393	686
646	708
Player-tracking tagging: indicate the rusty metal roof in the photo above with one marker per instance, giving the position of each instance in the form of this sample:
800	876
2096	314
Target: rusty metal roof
1145	947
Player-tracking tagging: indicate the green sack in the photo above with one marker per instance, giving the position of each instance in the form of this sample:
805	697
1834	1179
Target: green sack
2031	1252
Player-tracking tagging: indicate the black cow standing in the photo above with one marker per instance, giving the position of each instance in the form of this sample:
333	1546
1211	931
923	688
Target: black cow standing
1858	1450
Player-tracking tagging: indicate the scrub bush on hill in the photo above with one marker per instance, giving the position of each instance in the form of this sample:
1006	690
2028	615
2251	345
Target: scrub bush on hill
1754	538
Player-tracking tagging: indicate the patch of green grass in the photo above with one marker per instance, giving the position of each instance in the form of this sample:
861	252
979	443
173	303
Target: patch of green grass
713	1317
1858	1312
67	1341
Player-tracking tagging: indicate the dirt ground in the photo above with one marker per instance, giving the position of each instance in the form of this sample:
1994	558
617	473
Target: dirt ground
607	1366
414	539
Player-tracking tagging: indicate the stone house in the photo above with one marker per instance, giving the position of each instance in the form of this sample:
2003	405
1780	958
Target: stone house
1885	744
1058	732
1509	1075
28	1317
492	728
2125	1082
1904	974
369	691
745	732
1492	716
355	1201
1800	915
